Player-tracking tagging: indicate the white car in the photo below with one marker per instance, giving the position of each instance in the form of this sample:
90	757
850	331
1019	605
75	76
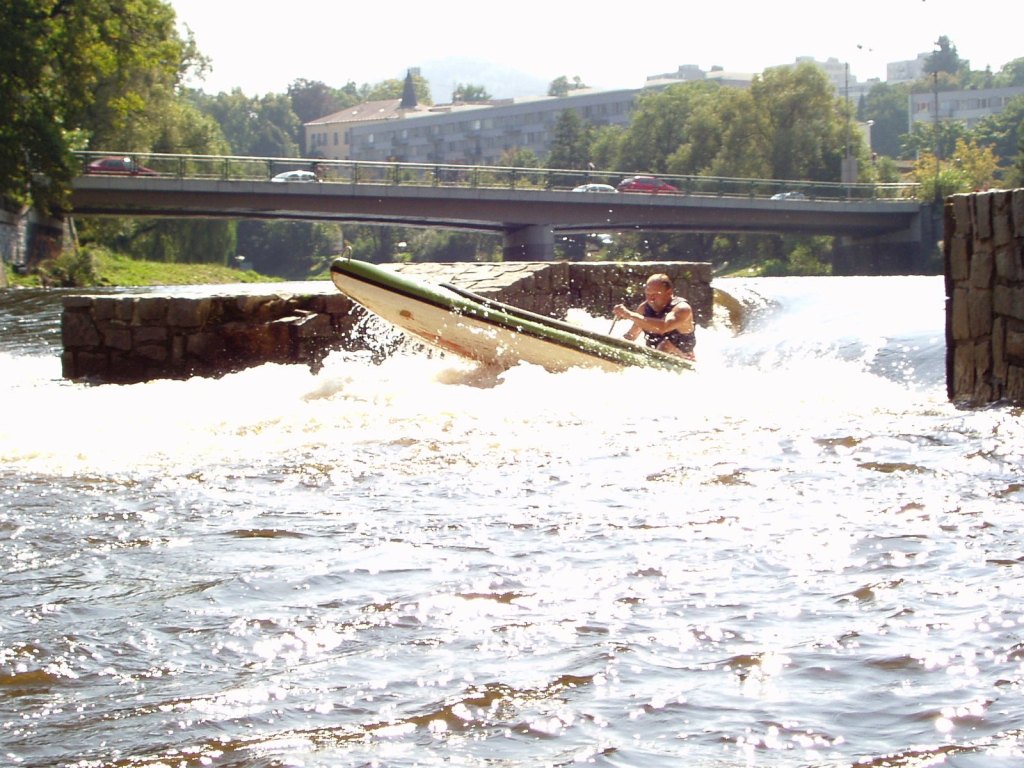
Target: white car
295	176
595	188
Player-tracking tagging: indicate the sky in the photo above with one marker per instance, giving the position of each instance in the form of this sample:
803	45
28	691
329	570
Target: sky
262	46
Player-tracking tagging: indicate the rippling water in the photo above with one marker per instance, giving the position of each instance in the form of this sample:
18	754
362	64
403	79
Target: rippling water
802	555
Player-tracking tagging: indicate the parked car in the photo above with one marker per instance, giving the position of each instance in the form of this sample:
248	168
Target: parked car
120	166
295	176
789	196
645	184
595	188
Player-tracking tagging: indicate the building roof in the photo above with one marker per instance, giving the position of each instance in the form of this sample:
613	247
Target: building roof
386	109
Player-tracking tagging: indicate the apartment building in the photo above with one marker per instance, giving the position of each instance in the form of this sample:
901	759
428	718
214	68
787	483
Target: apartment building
964	106
457	133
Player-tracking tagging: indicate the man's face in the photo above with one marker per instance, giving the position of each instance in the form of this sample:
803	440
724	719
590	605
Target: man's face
658	295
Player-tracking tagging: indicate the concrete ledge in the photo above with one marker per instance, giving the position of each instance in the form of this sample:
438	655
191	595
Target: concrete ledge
138	337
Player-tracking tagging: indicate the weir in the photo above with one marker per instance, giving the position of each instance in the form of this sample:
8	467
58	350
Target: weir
128	338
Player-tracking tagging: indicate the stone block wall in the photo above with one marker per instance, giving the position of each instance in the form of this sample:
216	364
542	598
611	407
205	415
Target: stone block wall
131	338
136	338
984	268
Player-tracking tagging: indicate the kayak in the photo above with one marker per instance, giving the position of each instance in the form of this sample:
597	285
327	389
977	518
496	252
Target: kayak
490	332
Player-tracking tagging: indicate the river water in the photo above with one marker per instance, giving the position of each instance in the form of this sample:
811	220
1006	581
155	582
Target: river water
801	555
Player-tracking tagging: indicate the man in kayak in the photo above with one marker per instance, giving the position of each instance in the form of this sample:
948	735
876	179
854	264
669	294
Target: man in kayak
665	320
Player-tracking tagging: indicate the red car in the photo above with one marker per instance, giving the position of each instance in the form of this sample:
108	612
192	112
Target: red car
121	166
645	184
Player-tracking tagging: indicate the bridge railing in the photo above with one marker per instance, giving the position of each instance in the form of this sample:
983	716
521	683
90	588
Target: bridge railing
240	168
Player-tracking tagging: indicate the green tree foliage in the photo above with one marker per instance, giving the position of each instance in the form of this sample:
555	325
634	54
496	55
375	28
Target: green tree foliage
1010	74
392	89
313	99
254	126
886	106
289	249
795	128
1003	131
945	59
1016	177
570	145
470	94
561	86
75	75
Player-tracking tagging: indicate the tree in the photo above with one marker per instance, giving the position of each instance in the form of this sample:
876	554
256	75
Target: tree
392	89
561	86
969	168
659	126
1003	131
76	75
470	94
570	145
945	59
313	99
886	106
1011	74
790	125
256	126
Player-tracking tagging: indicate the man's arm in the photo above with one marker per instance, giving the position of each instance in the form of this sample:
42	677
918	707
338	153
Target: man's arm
679	319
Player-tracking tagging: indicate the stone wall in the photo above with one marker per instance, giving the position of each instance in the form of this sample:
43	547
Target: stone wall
140	337
984	267
130	338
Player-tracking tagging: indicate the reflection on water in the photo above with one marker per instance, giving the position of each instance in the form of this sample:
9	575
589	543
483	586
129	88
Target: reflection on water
802	555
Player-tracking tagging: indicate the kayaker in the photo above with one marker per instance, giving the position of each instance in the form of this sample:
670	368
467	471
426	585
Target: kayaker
665	320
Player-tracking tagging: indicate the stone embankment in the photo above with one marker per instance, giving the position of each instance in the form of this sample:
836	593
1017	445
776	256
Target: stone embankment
129	338
984	255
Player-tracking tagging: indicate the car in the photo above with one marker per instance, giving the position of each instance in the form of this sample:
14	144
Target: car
789	196
120	166
295	176
646	184
595	188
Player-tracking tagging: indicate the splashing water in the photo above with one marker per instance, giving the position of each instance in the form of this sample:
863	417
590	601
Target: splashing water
800	555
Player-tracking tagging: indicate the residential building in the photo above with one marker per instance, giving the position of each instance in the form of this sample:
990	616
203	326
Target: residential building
965	106
457	133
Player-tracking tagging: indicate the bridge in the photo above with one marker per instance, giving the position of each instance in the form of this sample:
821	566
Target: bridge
527	206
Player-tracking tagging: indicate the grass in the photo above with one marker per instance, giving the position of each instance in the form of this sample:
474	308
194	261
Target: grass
113	269
98	267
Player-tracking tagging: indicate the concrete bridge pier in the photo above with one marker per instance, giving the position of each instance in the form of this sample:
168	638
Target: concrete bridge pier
914	251
531	243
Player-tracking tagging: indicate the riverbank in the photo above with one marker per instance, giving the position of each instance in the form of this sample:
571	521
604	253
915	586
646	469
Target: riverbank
100	268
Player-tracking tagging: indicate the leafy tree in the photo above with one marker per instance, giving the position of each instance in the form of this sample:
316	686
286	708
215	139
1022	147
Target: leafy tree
517	157
659	126
1002	132
254	126
605	146
76	75
289	249
791	127
945	59
470	94
1017	177
969	168
926	137
570	144
1011	74
886	106
561	86
392	89
313	99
